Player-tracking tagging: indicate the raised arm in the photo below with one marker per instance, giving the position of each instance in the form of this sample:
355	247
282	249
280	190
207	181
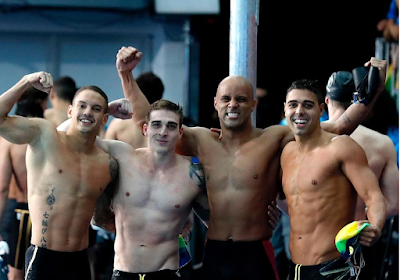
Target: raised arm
18	129
356	113
127	59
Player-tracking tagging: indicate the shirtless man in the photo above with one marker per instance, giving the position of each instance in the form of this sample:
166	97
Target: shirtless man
381	156
242	171
155	194
66	175
321	176
123	130
13	166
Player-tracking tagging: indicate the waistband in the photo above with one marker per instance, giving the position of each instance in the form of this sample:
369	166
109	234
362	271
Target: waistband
162	272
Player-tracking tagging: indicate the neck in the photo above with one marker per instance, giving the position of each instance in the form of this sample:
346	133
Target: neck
159	160
310	141
79	141
237	136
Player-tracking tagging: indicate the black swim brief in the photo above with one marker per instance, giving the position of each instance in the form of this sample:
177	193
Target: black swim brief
337	269
45	264
233	260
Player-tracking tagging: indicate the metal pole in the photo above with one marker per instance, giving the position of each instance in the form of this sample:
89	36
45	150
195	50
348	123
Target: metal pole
243	41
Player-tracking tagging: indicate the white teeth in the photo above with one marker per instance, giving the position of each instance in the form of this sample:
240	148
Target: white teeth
86	121
233	114
300	121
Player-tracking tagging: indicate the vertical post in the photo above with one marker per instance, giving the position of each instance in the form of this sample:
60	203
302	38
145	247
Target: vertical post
243	41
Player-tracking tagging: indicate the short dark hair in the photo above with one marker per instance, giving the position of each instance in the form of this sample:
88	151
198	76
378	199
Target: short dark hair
311	85
28	105
65	88
151	86
96	89
164	104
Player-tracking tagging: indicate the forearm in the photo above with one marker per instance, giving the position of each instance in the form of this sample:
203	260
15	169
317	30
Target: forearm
133	93
376	211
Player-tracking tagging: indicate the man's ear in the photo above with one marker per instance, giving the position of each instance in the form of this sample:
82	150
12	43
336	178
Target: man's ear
105	119
69	111
144	129
321	108
181	132
284	109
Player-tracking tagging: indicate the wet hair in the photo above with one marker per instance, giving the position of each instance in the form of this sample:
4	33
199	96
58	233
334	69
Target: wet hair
164	104
96	89
29	104
65	88
151	86
311	85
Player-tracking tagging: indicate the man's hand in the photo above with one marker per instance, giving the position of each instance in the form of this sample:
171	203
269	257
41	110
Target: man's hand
273	214
120	108
127	59
41	80
217	130
381	65
369	235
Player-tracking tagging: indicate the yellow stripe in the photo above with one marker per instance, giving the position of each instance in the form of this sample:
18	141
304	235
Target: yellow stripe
297	272
28	231
141	277
21	225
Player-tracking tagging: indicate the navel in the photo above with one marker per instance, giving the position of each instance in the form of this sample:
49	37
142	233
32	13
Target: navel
314	182
176	205
59	170
127	194
255	176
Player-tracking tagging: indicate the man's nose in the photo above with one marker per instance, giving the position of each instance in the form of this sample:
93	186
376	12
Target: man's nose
300	109
163	130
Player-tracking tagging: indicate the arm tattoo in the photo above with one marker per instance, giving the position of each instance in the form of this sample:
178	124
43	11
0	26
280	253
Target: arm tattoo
346	118
103	216
196	172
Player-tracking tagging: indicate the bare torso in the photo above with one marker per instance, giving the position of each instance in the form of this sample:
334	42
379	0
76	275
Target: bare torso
151	205
17	154
241	182
126	131
63	185
320	198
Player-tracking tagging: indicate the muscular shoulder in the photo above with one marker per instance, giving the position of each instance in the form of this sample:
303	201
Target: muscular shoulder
117	126
280	133
116	148
372	140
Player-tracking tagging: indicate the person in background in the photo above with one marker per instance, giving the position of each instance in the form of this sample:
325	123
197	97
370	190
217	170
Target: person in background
381	156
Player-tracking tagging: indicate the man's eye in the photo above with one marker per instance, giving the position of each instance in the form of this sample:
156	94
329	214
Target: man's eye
171	126
156	125
81	106
96	109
